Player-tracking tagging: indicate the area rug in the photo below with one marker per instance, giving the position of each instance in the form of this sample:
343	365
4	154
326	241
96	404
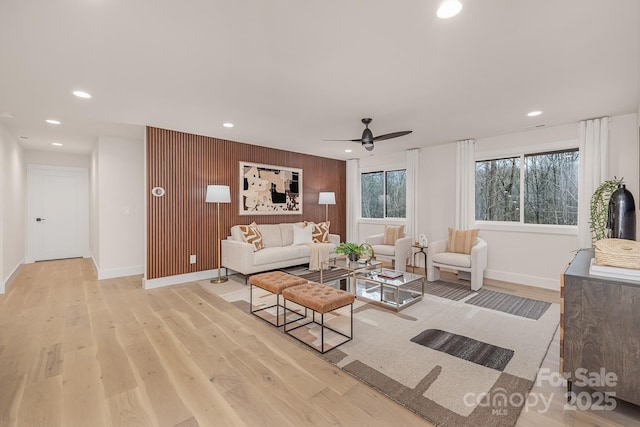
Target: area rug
450	361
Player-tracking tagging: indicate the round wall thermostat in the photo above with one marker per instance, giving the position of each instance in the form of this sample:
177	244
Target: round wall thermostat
157	191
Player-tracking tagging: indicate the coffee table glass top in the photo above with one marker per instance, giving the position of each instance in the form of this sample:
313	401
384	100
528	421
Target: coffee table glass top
344	263
388	288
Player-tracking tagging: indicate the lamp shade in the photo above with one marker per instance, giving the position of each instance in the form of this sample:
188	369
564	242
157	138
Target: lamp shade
218	193
327	198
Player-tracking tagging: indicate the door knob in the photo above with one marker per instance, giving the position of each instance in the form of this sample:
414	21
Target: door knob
40	219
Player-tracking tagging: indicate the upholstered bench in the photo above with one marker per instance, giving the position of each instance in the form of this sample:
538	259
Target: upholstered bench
274	282
321	299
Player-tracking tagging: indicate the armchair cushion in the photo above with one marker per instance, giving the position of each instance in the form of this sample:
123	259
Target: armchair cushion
392	233
453	259
461	241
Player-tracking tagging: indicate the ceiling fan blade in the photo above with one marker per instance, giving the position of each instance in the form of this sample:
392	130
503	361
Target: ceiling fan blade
351	140
391	135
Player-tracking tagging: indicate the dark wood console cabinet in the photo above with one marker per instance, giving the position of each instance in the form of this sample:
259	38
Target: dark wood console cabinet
600	327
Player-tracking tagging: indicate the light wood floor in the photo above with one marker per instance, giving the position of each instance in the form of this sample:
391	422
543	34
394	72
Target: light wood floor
78	352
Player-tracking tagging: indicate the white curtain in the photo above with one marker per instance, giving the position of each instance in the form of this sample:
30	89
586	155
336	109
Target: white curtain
465	179
594	169
413	169
353	199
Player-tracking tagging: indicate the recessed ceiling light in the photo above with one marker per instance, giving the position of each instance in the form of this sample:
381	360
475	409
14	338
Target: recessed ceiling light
348	150
449	9
57	144
81	94
227	125
534	113
53	121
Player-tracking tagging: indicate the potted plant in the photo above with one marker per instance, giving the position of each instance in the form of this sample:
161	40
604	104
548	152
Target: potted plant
351	250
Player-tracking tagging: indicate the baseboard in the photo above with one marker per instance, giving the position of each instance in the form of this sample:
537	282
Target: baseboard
7	283
523	279
120	272
180	278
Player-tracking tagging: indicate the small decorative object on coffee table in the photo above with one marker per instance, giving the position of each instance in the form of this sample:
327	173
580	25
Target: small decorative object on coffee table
367	253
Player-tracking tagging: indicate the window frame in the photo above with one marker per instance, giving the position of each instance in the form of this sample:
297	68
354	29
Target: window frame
385	219
521	226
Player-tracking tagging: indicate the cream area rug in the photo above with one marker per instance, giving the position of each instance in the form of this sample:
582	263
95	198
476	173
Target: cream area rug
448	358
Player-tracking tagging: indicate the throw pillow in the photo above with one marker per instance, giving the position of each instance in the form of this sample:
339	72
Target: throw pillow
461	241
251	234
302	235
320	232
392	233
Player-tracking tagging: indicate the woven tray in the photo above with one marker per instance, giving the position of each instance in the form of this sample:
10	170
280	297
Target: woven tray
618	253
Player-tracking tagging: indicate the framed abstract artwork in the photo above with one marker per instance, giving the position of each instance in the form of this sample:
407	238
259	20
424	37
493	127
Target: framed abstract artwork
270	190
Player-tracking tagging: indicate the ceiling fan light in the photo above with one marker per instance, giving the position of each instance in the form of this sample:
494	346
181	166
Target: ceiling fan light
368	147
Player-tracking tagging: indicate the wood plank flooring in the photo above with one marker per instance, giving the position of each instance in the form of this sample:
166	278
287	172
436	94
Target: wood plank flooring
75	351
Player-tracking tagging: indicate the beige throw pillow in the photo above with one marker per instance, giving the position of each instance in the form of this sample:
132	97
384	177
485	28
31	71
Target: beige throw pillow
320	232
461	241
252	235
392	233
302	236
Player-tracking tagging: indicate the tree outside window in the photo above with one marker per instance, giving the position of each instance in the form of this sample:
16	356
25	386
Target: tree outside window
384	194
548	195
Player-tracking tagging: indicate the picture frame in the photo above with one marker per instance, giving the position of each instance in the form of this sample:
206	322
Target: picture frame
270	190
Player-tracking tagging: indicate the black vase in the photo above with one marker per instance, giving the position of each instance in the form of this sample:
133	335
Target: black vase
622	214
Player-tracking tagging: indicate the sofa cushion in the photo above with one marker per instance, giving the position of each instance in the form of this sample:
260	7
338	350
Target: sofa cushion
302	236
251	234
453	259
392	233
462	241
286	232
320	232
274	255
271	237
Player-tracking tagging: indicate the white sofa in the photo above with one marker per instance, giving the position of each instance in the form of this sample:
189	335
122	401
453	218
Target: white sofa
278	250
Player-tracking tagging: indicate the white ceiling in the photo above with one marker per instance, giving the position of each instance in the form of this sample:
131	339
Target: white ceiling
291	73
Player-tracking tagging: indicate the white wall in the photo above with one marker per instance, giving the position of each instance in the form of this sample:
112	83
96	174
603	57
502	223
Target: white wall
118	207
53	158
12	207
94	218
521	257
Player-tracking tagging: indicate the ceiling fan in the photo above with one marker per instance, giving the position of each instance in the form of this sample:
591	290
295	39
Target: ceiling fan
368	139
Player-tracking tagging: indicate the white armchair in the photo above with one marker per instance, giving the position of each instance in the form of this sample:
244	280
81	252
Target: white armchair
398	253
469	267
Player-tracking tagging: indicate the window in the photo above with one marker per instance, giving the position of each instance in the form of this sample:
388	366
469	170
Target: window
384	194
540	188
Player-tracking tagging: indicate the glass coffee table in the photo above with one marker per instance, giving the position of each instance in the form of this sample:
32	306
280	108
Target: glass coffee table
350	268
390	289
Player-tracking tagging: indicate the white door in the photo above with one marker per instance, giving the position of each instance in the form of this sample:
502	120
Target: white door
57	212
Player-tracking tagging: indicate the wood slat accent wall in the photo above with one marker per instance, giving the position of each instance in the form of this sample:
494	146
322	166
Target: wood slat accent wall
181	223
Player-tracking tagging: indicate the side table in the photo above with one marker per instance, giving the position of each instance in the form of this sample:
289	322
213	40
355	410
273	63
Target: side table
421	250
